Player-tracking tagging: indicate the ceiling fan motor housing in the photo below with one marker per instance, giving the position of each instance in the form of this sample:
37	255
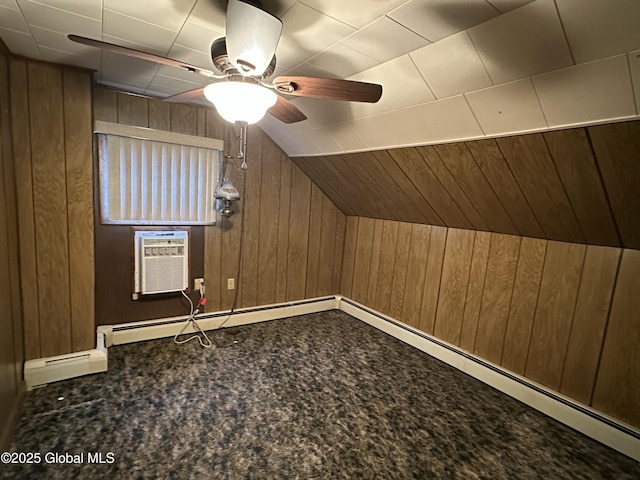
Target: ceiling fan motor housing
221	60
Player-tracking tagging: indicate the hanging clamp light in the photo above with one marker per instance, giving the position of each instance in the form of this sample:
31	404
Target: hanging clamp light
226	194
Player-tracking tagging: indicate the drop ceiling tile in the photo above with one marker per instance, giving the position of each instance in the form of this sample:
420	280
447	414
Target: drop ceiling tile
356	13
346	136
59	41
438	19
589	92
505	6
87	8
59	20
183	75
20	43
127	87
120	68
194	57
139	32
343	61
634	63
198	37
323	140
402	86
449	119
306	144
68	58
131	44
522	43
508	108
169	14
209	14
598	29
451	66
398	128
11	19
173	84
321	112
304	70
384	39
306	32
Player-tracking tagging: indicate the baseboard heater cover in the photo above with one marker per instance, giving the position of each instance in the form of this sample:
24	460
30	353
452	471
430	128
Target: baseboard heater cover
594	424
168	327
41	371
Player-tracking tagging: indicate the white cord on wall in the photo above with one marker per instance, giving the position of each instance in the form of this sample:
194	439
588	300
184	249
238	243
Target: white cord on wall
200	334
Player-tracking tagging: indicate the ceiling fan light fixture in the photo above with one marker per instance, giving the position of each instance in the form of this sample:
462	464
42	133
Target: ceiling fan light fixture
252	37
240	101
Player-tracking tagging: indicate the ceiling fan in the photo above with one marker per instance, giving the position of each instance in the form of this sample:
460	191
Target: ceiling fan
246	58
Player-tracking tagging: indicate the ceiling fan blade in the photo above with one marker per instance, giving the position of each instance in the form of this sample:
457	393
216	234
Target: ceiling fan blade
329	88
286	112
110	47
185	97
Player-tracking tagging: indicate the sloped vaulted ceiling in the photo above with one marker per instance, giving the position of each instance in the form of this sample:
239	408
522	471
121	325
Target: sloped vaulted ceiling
576	185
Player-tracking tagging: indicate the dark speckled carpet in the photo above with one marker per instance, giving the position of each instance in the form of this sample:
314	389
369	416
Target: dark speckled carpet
317	396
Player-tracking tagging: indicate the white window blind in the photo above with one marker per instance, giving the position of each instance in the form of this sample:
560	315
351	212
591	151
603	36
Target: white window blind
144	180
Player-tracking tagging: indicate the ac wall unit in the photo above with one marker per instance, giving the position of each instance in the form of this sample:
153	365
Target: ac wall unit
161	261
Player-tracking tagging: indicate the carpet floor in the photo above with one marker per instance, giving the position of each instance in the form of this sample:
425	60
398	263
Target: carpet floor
320	396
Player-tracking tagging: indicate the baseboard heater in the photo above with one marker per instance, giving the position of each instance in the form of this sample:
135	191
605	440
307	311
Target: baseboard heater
607	430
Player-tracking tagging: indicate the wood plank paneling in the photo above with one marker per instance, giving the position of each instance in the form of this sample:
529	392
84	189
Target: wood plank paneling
132	109
524	301
298	234
589	321
495	169
325	181
387	264
416	169
473	300
448	181
184	119
269	222
400	270
282	241
496	296
433	274
362	261
79	182
105	104
315	231
327	248
556	303
248	281
375	262
461	164
414	286
50	206
574	160
531	164
419	209
617	149
617	389
349	255
160	115
453	285
20	126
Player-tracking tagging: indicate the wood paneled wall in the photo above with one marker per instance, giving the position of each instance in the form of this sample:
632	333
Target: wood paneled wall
11	327
293	234
52	138
576	185
565	315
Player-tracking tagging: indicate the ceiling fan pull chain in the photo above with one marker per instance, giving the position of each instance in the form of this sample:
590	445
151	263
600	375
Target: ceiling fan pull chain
243	144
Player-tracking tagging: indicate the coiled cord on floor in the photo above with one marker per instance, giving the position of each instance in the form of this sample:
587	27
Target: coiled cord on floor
200	334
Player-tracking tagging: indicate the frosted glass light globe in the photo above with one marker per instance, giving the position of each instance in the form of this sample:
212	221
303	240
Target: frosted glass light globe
240	101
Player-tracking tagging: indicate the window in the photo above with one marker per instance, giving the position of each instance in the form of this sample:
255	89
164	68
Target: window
151	177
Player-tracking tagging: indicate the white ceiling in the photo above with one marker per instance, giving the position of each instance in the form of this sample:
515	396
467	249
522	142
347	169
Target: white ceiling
450	69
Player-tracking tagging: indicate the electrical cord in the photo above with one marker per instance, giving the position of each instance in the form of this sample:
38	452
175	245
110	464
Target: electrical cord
240	245
191	321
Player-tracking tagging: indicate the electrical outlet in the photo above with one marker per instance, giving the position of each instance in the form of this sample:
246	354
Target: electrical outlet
231	283
197	284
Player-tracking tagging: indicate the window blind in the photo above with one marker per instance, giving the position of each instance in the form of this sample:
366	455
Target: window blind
151	182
